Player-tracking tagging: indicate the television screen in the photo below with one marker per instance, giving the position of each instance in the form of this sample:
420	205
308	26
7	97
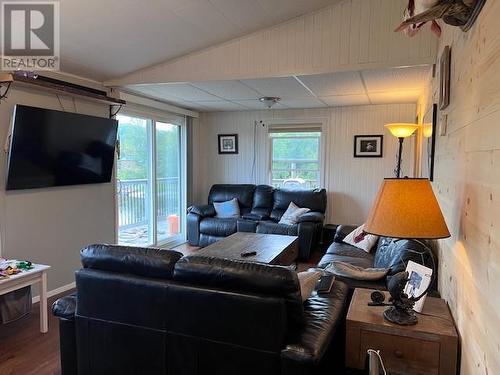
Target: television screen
53	148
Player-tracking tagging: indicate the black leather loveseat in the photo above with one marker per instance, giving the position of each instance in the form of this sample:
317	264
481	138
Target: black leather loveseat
389	253
149	311
261	208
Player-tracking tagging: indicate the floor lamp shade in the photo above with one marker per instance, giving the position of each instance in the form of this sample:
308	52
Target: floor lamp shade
406	208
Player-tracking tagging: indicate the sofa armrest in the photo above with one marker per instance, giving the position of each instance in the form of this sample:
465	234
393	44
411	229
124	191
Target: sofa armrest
323	313
65	307
312	216
342	231
207	210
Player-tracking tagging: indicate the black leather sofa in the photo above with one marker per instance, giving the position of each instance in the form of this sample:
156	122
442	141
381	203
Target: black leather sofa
389	253
149	311
261	208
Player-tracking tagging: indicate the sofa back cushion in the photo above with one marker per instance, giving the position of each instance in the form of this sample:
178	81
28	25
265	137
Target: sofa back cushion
225	192
394	254
244	277
314	199
147	262
263	200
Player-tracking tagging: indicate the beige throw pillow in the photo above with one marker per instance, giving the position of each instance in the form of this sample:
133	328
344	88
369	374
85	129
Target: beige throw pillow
355	272
360	239
308	281
292	214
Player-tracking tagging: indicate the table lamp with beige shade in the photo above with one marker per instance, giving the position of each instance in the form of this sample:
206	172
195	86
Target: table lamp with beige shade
406	208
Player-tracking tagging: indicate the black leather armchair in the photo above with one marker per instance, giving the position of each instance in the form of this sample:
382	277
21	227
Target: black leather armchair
142	311
261	209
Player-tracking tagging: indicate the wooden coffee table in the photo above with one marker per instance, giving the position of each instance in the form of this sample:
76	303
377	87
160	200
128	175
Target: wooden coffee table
271	248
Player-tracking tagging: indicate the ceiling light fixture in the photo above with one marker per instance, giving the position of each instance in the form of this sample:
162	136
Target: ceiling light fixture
269	101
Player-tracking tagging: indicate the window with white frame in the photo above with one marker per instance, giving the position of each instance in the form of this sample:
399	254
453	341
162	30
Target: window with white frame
295	157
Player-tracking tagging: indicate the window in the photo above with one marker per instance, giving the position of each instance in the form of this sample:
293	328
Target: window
150	181
295	158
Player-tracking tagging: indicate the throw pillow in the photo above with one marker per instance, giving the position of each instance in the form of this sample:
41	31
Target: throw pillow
355	272
227	210
360	239
292	214
308	281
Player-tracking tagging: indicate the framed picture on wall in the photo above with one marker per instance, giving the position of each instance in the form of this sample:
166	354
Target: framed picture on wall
228	143
429	126
444	78
368	146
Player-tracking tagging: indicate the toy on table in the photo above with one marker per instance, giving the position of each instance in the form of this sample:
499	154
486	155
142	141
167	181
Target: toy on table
13	267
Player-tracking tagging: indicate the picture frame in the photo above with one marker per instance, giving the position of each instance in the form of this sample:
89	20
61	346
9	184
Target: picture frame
429	133
228	144
419	279
444	78
369	146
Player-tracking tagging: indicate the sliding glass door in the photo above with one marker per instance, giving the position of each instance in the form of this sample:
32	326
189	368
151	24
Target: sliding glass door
150	181
168	181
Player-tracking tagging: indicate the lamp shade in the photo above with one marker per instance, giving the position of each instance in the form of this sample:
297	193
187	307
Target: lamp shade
427	130
406	208
402	129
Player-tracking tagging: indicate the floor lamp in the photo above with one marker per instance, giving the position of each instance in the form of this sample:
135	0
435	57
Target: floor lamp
401	131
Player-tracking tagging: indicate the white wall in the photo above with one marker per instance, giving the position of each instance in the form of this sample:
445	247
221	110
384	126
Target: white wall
351	182
467	185
51	225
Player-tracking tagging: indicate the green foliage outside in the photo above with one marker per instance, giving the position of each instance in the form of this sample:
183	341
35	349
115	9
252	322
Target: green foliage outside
296	155
134	150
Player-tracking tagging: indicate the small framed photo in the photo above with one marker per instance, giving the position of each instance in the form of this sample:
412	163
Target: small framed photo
228	143
368	146
419	279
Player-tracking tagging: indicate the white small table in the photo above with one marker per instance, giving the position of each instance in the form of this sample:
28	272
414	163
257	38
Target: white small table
36	275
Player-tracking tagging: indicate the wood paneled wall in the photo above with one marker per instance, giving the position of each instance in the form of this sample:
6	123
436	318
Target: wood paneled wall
348	35
467	184
351	182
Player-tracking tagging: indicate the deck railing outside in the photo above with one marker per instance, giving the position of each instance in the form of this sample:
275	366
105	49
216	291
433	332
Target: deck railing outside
133	202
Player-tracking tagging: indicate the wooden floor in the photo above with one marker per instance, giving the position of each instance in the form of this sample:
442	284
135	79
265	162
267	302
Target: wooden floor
26	351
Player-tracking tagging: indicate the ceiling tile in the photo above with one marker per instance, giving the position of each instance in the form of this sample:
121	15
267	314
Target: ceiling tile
408	96
342	83
256	104
302	103
182	91
221	105
396	78
341	100
231	90
150	90
284	87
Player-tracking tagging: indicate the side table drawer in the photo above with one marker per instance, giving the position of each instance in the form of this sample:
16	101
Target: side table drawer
403	355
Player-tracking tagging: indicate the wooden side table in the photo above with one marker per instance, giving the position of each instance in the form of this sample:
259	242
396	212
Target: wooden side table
36	275
429	347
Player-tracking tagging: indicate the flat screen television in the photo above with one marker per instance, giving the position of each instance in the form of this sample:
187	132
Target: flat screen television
54	148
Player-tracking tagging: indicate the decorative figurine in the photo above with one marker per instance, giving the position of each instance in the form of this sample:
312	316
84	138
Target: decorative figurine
401	311
461	13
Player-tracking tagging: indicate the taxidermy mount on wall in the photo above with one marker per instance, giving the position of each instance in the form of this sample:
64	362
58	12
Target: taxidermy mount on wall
461	13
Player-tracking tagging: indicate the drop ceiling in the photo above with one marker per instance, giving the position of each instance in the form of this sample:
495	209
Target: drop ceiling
107	39
381	86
